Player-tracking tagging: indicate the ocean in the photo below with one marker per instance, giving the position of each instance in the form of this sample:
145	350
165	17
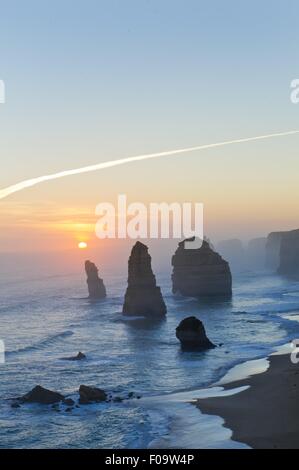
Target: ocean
47	318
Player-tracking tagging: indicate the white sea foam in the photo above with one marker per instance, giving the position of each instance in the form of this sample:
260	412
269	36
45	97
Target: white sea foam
188	428
244	370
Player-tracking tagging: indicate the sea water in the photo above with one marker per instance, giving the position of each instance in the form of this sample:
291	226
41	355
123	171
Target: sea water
45	319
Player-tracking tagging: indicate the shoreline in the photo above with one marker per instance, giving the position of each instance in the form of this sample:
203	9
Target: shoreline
265	415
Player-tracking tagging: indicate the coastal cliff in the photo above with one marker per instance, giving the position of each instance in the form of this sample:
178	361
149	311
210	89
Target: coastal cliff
282	253
289	254
273	250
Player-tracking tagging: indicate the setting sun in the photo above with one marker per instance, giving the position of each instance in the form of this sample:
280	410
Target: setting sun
82	245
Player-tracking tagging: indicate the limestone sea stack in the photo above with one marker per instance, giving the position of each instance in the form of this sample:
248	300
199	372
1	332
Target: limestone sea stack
289	254
143	296
96	288
192	335
200	272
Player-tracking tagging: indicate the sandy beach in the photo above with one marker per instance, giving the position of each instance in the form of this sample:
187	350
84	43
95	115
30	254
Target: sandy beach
265	416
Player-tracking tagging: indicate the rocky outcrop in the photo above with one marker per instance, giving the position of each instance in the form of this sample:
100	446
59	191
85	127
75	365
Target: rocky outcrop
191	333
91	395
289	254
143	296
200	272
41	395
78	357
96	288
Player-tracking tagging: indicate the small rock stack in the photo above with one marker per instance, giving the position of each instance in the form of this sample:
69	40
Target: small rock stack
192	335
96	288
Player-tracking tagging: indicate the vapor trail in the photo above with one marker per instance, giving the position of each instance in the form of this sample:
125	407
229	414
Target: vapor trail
101	166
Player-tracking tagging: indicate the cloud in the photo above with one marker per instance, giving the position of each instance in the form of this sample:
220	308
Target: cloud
101	166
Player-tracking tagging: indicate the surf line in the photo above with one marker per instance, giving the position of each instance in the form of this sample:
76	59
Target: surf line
109	164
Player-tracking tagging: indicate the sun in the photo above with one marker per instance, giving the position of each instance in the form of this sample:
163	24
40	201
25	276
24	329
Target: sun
82	245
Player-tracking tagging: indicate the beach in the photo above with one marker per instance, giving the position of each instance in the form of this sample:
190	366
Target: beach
265	415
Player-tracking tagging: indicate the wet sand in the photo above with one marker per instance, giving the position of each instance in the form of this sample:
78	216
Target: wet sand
265	416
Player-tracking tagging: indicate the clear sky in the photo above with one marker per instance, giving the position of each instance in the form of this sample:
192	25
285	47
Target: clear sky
87	81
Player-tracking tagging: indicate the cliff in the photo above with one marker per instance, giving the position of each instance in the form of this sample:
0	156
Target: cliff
289	254
273	243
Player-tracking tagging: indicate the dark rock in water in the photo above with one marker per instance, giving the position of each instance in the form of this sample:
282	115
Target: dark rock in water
192	335
79	357
96	288
68	410
91	394
15	405
289	254
118	399
143	296
41	395
200	272
68	402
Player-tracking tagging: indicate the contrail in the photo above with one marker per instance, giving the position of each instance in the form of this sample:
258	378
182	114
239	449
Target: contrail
101	166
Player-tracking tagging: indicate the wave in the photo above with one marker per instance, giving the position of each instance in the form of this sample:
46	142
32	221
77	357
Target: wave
49	340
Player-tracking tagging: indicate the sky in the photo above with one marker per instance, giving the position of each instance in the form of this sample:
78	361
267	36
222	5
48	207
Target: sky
97	80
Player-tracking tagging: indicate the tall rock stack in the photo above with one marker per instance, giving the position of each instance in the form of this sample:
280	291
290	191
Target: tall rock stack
200	272
96	288
143	296
289	254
